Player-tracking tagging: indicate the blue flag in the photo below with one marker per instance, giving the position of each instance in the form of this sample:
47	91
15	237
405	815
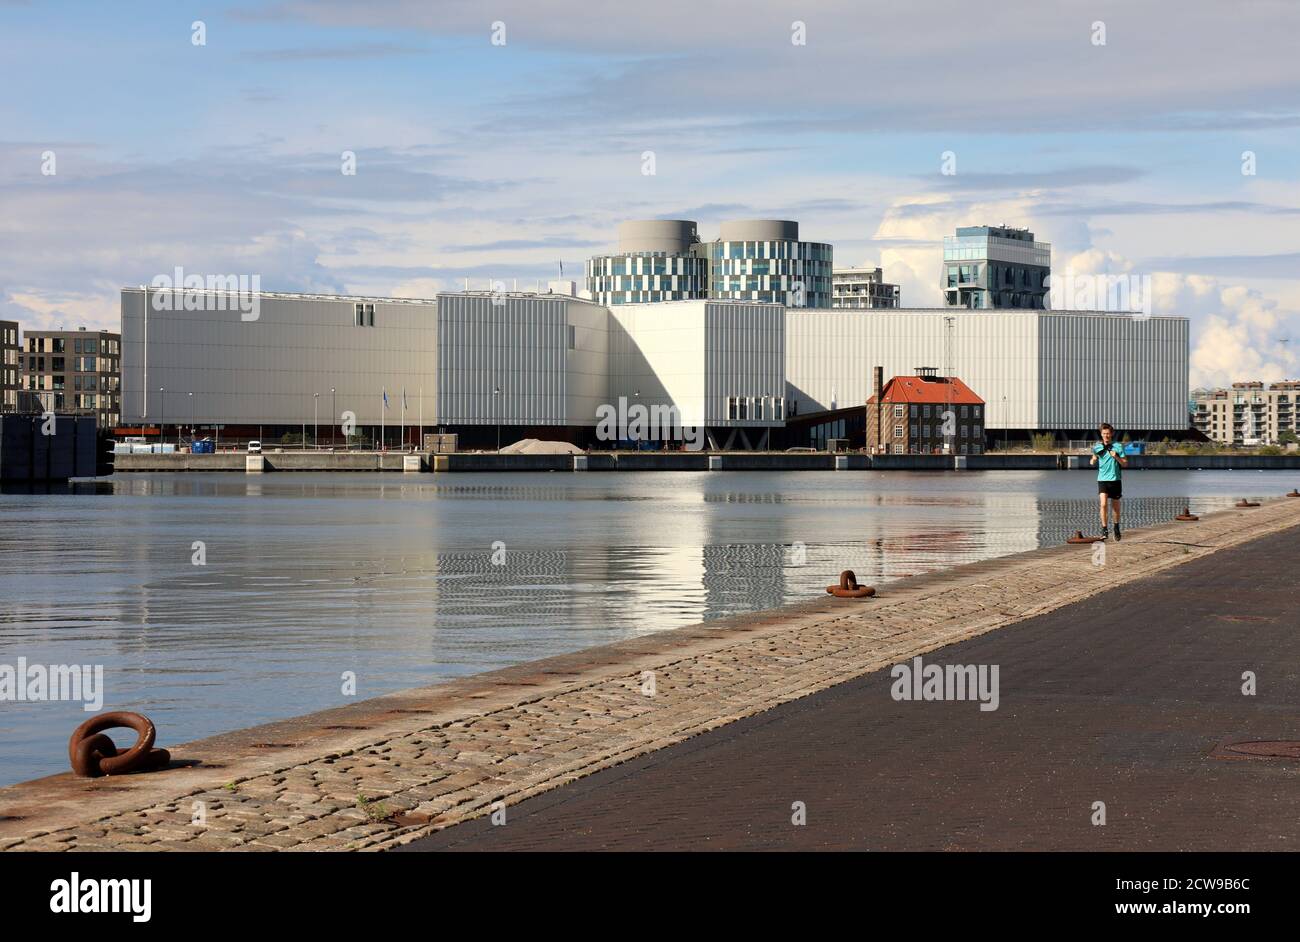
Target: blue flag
385	398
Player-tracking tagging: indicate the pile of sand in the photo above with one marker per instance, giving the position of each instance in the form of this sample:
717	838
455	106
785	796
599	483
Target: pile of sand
535	446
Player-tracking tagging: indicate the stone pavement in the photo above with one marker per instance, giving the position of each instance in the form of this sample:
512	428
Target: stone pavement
1134	701
393	769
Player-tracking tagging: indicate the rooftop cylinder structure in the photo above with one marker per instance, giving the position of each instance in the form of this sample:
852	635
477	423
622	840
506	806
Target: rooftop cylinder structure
667	236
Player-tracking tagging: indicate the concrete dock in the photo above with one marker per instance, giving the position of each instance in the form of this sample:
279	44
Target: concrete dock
1133	700
674	461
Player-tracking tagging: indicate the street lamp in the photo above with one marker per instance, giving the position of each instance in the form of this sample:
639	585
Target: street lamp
162	415
315	419
496	408
335	407
178	438
1005	429
636	400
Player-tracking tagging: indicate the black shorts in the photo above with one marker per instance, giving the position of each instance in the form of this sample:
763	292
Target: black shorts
1112	489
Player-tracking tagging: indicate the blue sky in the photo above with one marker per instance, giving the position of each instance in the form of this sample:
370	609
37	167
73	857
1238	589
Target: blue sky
494	161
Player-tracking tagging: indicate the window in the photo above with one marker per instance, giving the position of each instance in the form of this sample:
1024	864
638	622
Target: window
925	431
898	431
92	346
914	426
978	431
361	315
898	449
573	337
898	411
965	432
964	411
915	410
76	346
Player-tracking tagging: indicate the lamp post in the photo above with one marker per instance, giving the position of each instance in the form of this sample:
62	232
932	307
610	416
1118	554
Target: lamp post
162	415
335	407
315	419
178	438
636	401
1005	430
496	407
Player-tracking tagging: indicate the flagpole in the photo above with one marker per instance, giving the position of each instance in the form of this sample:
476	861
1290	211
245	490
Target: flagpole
421	442
403	418
383	407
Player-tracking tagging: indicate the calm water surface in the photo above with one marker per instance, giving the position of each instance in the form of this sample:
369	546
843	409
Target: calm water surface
311	575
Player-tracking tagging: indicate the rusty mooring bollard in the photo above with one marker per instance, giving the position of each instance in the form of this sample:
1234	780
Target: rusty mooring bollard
1080	538
1186	515
1245	503
848	587
94	754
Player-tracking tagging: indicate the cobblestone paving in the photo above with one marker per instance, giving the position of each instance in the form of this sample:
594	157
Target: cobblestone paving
392	775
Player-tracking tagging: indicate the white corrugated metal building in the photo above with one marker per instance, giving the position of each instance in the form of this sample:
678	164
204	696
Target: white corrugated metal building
1050	370
554	359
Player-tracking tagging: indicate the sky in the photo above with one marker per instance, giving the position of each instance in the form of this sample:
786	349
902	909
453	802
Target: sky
494	140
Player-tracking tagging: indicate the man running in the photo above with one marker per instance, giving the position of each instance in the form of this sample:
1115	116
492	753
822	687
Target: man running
1110	461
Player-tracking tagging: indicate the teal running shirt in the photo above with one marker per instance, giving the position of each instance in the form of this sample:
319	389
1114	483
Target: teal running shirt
1108	468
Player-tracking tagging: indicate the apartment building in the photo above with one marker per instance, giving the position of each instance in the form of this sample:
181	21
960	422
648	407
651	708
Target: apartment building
10	370
74	371
856	289
1250	413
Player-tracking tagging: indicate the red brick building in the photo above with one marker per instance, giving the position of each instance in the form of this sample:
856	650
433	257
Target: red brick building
910	419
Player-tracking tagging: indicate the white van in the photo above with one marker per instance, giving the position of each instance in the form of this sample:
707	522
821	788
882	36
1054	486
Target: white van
254	448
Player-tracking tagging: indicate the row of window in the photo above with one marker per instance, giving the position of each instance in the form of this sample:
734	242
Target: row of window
966	431
40	364
923	410
756	408
966	448
365	315
815	251
110	346
688	265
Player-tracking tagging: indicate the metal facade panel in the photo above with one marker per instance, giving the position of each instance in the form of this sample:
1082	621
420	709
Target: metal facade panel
518	346
265	371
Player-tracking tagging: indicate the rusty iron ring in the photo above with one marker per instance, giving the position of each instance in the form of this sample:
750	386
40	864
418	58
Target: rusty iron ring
1187	514
848	587
1080	538
1245	503
93	754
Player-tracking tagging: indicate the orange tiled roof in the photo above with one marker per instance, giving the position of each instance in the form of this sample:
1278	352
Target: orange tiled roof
918	389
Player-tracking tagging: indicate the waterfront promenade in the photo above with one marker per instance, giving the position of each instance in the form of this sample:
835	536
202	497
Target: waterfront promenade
1154	691
1135	702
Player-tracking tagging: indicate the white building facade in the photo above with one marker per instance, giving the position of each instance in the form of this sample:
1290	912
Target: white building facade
1035	370
544	364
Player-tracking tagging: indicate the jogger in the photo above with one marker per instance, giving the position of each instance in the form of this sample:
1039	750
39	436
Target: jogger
1110	461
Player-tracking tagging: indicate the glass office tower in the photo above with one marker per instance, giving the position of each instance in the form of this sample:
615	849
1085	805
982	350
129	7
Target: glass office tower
995	266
